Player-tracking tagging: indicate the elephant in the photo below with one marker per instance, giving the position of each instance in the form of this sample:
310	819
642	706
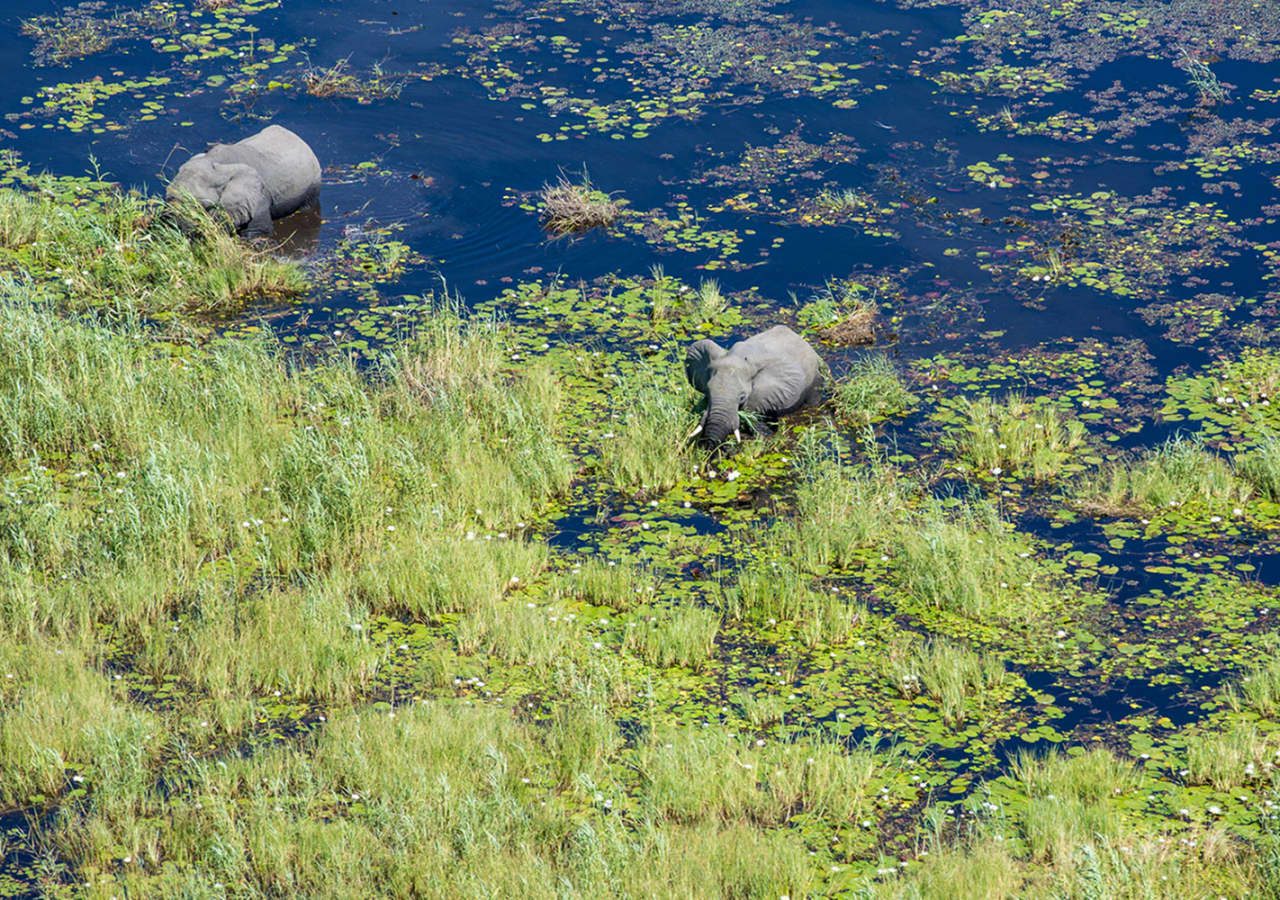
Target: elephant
263	177
769	374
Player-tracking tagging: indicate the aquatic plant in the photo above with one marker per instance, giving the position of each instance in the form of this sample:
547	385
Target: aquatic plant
572	207
1179	472
1014	435
967	561
843	313
871	390
339	80
682	635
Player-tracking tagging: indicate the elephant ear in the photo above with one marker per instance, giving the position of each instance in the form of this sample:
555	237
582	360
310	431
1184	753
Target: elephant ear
697	362
244	197
779	386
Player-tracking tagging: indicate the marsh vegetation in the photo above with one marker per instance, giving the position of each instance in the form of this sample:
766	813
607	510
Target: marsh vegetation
386	568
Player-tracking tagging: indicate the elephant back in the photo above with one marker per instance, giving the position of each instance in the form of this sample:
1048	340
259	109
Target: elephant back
287	165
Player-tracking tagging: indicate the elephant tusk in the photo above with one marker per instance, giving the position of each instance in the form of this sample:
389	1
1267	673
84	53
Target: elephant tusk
737	435
693	434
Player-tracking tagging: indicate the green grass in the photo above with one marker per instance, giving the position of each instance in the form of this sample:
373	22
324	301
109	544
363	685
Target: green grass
643	450
619	586
1017	436
203	507
1070	801
871	391
697	776
769	594
843	514
675	636
1260	468
1179	472
953	675
967	561
120	254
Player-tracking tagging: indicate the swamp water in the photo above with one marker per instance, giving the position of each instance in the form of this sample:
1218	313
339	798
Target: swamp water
1072	205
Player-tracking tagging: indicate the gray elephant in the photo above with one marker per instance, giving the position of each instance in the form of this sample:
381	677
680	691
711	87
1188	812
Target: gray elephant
261	178
770	374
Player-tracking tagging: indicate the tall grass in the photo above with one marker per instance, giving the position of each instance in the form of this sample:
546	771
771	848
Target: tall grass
262	511
1018	436
675	636
951	674
700	776
122	254
643	451
1179	472
872	391
768	594
967	562
1070	801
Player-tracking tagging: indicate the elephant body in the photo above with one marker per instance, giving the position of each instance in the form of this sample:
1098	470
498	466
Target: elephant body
769	374
263	177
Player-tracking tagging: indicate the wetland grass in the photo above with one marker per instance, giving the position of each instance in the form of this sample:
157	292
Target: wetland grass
340	80
966	561
842	313
1181	471
675	636
953	675
120	254
641	451
1016	435
871	391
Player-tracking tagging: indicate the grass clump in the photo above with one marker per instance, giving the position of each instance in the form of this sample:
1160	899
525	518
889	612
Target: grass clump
1260	468
642	451
1258	690
119	255
713	776
1017	436
339	80
1230	758
574	207
675	636
841	314
1069	801
966	562
871	391
1179	472
768	594
607	583
951	674
843	514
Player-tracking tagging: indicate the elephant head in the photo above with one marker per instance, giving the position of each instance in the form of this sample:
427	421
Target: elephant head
234	188
726	380
769	374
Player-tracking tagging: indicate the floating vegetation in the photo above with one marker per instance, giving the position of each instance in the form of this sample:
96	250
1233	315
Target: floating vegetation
570	207
843	313
339	80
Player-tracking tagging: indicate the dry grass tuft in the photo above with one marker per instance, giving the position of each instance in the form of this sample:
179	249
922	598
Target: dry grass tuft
570	207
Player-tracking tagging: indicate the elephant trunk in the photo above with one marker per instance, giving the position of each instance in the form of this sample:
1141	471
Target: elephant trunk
720	422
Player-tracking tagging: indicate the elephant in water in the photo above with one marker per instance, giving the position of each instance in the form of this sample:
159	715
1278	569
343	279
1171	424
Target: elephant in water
261	178
770	374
